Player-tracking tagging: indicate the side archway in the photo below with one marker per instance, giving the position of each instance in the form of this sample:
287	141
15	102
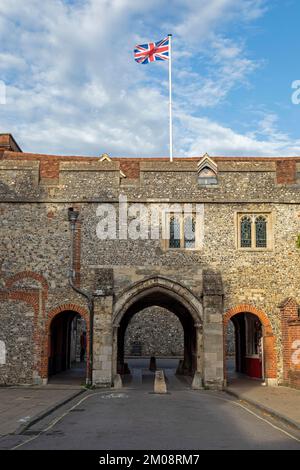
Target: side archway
269	350
71	309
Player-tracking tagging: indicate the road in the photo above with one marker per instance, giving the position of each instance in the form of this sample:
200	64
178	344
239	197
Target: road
136	418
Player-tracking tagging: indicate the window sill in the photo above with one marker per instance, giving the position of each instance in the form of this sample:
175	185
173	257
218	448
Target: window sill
256	250
209	186
182	249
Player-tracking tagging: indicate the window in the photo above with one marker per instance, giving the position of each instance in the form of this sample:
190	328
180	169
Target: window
254	231
207	177
246	232
175	231
207	171
181	231
261	232
189	231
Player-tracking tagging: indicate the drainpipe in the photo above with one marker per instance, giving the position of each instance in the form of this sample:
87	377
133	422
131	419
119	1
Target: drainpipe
89	296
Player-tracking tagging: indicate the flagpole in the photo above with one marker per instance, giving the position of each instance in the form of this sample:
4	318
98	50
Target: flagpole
170	98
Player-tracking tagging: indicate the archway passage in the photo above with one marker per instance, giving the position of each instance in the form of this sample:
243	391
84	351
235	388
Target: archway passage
267	349
244	352
163	299
67	348
154	332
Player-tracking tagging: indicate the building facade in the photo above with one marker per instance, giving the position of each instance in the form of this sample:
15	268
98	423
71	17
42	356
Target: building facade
211	240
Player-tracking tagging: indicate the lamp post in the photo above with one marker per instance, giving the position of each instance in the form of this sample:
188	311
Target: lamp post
73	218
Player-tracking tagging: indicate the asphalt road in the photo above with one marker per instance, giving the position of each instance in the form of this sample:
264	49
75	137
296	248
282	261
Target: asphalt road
136	418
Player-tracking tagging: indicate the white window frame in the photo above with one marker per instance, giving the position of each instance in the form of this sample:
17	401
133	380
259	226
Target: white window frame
166	230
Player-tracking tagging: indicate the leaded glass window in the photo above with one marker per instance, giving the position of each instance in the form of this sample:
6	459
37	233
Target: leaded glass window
189	231
174	232
255	231
260	232
246	232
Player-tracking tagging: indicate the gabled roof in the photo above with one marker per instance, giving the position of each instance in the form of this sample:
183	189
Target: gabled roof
207	162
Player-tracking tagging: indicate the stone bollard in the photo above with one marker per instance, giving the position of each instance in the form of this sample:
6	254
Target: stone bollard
118	381
197	383
152	365
159	382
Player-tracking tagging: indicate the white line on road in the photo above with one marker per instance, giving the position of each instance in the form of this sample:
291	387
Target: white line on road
55	421
59	418
236	403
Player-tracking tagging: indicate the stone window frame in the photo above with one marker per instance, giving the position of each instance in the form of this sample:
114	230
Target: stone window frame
166	216
207	173
253	215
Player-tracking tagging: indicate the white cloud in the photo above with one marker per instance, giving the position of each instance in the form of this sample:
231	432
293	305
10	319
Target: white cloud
203	135
74	88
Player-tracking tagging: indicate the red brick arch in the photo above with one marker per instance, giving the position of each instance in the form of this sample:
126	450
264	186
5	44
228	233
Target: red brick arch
268	337
28	275
50	316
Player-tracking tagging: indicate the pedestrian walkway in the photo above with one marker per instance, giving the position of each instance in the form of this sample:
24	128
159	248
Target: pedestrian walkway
283	402
19	406
74	376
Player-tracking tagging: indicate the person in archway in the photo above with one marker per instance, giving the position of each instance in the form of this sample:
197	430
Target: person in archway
82	346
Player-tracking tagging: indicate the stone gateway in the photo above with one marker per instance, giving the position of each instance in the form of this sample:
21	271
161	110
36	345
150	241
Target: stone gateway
93	246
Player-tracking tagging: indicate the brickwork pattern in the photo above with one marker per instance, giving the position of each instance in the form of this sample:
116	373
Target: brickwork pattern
291	342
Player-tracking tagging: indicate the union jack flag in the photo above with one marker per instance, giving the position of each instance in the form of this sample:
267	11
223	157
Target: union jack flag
145	53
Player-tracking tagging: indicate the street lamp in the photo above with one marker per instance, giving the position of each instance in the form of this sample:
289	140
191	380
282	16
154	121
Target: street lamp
73	217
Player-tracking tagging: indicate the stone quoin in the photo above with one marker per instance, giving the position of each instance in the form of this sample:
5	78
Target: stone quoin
235	260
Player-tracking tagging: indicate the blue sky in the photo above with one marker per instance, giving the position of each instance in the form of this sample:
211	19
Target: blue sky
72	86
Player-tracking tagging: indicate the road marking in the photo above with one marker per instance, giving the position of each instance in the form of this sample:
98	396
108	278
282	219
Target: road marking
236	403
233	402
55	421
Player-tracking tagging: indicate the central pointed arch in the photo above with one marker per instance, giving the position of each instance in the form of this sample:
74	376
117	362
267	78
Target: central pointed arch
171	295
156	284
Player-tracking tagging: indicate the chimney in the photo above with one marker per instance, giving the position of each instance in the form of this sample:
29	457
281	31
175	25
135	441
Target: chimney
7	142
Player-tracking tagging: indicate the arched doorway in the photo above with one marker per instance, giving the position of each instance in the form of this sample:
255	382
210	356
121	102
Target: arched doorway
249	345
67	348
177	300
244	354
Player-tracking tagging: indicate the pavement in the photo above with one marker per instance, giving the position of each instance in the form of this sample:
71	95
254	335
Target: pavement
281	402
20	407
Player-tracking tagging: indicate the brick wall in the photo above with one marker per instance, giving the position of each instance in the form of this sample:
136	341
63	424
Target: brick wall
290	320
286	171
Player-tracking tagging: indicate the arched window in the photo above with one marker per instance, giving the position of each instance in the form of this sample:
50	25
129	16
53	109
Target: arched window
260	232
189	231
174	231
255	231
182	232
207	177
246	235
